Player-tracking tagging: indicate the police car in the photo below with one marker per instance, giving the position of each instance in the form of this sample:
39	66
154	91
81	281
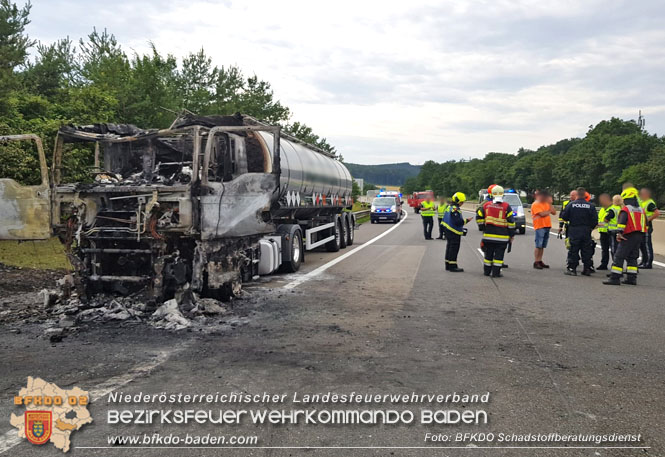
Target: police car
513	199
386	209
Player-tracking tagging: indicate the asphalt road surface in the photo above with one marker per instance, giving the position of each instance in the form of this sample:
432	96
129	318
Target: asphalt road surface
557	354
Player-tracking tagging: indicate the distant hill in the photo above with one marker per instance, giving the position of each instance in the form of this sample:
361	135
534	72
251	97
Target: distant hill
388	174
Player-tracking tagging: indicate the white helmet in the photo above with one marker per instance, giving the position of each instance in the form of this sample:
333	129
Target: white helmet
497	193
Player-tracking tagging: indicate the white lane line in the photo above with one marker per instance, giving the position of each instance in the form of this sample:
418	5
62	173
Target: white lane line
10	439
312	274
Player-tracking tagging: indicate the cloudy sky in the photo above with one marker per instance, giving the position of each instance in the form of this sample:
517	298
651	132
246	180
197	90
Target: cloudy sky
391	81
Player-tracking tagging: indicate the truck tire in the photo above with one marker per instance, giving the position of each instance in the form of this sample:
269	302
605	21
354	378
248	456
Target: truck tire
295	253
345	230
350	231
335	245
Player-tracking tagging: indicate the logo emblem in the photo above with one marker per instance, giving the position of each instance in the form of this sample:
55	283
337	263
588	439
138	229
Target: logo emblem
38	425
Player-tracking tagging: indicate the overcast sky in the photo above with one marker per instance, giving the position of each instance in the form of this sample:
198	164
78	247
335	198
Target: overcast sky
412	81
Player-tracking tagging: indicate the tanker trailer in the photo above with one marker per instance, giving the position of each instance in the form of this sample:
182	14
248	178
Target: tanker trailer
211	202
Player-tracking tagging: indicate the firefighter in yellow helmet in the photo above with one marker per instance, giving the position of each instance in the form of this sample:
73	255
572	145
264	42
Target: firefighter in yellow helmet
453	224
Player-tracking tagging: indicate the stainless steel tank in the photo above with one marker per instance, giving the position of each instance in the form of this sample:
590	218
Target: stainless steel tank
307	173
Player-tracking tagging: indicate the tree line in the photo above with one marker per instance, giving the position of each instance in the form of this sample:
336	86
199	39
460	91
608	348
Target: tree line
94	80
612	152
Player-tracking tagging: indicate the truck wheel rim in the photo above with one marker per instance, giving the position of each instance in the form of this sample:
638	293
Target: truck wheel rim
295	249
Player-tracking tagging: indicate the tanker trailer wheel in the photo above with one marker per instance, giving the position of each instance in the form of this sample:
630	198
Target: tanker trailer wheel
350	229
336	244
344	234
296	253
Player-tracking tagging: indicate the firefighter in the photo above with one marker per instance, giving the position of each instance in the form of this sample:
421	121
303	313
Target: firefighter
496	220
440	211
631	225
427	214
606	229
563	225
651	212
453	224
581	218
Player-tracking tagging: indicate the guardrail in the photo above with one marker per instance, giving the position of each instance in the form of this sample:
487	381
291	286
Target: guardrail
361	213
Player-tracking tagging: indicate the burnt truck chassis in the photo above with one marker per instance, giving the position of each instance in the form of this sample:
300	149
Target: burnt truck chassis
164	212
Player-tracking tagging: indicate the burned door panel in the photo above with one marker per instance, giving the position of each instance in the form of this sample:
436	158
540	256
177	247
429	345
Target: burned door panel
238	208
24	209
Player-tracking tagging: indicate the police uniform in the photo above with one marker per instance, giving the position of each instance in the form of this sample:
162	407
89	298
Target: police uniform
631	224
581	218
497	221
646	248
427	213
605	218
440	212
453	224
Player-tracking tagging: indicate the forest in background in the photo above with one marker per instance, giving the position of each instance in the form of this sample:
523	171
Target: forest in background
93	80
612	152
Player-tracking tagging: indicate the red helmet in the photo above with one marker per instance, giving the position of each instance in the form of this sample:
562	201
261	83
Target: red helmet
587	197
489	189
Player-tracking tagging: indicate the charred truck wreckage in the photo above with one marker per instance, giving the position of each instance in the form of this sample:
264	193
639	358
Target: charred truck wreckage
212	201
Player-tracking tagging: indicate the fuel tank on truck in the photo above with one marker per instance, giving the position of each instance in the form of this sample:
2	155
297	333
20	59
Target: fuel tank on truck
310	179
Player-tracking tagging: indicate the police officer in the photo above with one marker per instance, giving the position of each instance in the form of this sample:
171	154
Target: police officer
453	223
563	226
606	229
651	212
497	221
582	219
440	211
427	213
631	226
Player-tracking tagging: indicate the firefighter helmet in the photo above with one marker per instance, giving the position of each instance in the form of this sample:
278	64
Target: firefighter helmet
497	191
459	198
630	192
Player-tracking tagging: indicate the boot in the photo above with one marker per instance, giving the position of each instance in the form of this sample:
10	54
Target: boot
602	267
447	266
455	269
613	280
487	270
570	271
496	272
587	272
630	279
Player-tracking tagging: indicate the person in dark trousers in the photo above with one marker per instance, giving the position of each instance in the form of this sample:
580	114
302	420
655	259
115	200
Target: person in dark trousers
582	219
497	221
606	215
631	225
427	213
453	223
440	211
651	212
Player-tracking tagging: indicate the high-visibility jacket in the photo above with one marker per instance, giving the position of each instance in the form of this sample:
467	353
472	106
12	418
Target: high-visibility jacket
602	216
441	210
563	206
497	221
614	211
427	208
632	219
453	220
649	207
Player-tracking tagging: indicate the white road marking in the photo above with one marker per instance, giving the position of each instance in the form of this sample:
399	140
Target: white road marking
312	274
10	439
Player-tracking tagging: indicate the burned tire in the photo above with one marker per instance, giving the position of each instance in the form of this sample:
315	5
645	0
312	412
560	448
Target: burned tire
336	244
350	229
296	253
345	230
